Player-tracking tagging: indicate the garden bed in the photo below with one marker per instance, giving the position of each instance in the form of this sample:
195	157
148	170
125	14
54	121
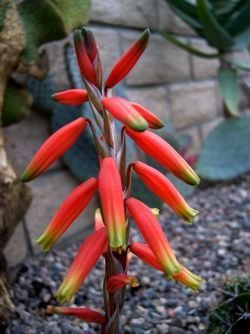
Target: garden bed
216	246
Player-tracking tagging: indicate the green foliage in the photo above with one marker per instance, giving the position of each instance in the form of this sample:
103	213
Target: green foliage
221	23
16	104
228	86
49	20
226	151
232	315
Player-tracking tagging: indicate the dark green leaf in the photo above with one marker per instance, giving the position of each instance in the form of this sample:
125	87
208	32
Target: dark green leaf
170	37
216	35
240	22
226	151
228	86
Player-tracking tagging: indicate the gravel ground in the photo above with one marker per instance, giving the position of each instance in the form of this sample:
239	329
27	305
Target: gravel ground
216	246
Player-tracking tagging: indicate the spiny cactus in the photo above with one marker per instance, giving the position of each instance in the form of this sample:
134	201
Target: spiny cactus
232	315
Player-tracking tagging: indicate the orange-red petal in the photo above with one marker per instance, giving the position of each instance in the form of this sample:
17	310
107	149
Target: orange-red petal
82	313
127	61
118	281
152	232
153	121
163	188
111	195
86	257
53	148
85	65
124	112
69	210
165	154
71	96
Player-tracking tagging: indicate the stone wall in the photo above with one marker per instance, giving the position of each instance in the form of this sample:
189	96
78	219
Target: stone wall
178	87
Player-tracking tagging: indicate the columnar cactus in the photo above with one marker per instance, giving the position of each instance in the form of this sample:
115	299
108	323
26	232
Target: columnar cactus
111	236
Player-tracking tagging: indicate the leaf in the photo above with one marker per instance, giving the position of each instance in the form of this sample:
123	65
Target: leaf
228	86
187	12
240	22
216	35
74	12
243	40
170	37
244	66
226	151
48	20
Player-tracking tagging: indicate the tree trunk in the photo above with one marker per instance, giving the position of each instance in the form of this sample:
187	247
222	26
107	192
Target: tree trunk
14	196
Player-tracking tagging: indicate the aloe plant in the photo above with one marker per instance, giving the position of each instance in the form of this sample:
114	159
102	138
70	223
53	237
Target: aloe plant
225	26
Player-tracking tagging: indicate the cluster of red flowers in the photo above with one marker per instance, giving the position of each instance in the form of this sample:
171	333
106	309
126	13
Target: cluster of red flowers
111	234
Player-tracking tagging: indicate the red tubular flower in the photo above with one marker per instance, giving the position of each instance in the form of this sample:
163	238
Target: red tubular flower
89	43
161	151
110	190
127	61
184	276
53	148
152	232
124	112
144	252
153	121
119	281
71	97
85	65
82	313
86	257
163	188
69	210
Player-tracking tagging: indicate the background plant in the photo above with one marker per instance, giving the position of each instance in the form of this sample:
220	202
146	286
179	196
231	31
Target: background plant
225	26
232	314
111	237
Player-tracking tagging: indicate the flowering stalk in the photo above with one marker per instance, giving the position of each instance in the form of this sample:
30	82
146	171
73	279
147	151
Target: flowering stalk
111	237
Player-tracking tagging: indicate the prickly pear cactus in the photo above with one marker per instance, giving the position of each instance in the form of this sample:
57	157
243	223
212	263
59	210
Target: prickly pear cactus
226	151
49	20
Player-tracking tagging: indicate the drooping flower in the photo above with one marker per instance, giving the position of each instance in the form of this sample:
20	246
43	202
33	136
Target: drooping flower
86	257
110	190
153	121
166	155
184	276
127	61
82	313
118	281
53	148
71	97
124	112
152	232
163	188
69	210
